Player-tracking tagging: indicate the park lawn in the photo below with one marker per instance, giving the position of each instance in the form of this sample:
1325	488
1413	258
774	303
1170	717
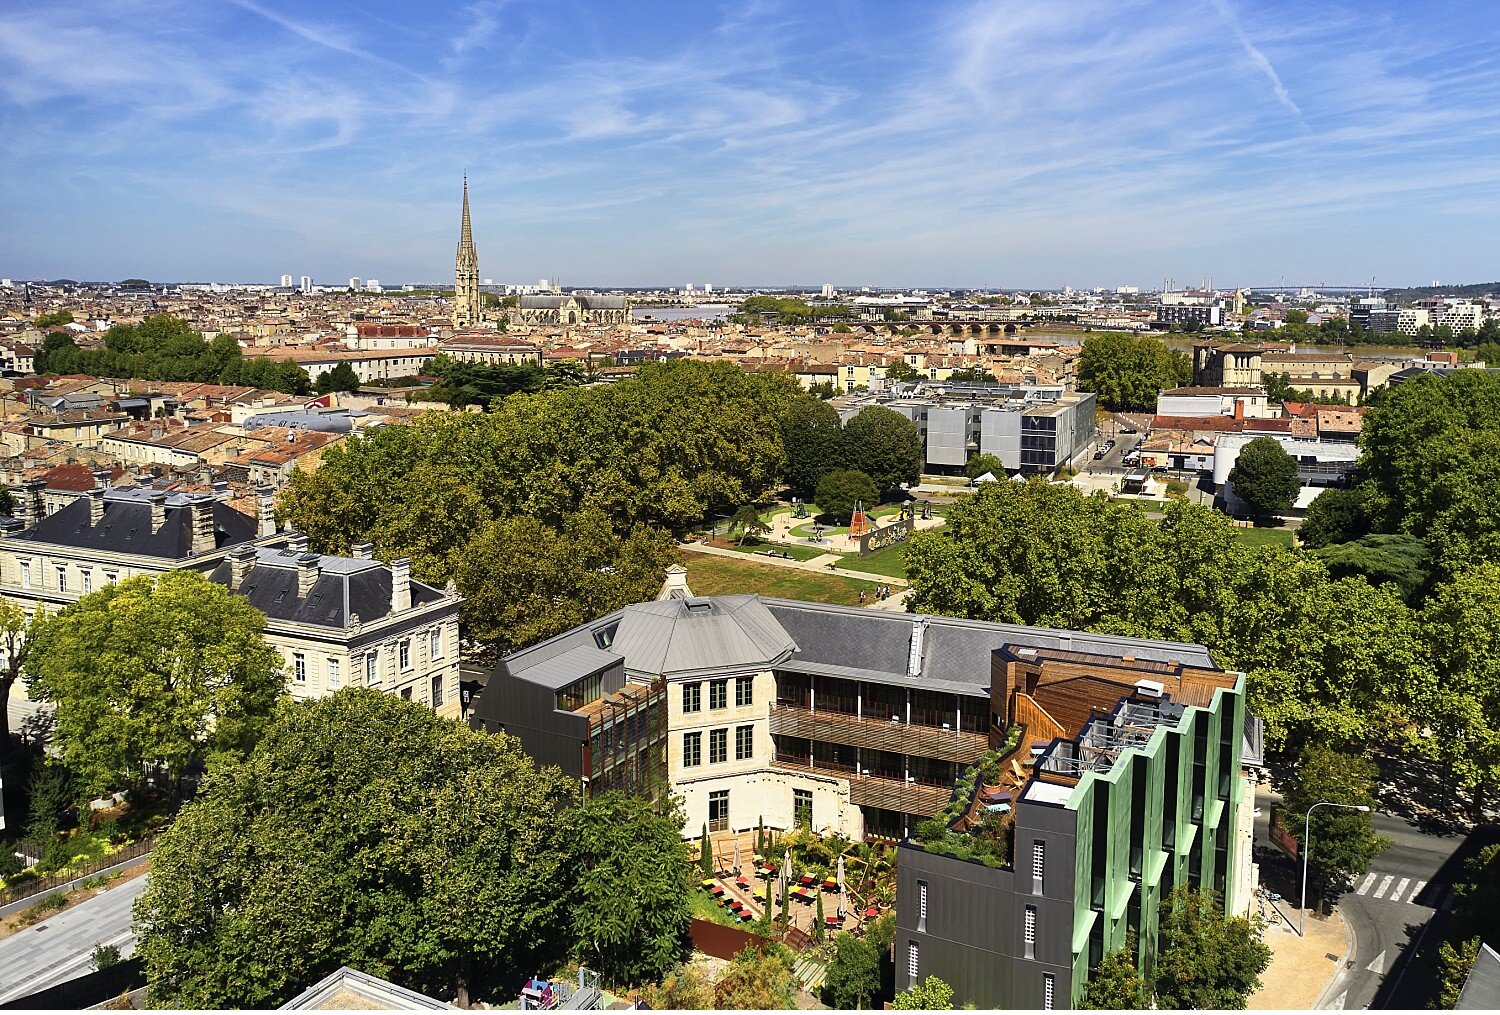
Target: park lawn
890	562
756	546
713	575
1263	537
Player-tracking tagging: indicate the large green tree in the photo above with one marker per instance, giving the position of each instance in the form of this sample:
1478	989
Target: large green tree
524	580
1344	841
884	445
1116	983
812	437
1128	371
758	980
932	994
853	977
1264	477
1461	626
340	378
17	635
154	671
1336	516
1206	960
363	830
840	490
631	914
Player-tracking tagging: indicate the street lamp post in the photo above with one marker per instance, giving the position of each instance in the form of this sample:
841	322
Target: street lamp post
1307	852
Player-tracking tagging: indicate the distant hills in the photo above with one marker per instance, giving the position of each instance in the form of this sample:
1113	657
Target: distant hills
1424	291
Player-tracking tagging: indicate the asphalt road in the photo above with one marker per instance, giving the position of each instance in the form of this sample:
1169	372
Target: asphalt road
1397	913
59	948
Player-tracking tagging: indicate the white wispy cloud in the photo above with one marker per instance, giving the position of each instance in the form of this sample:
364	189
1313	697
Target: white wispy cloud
1259	59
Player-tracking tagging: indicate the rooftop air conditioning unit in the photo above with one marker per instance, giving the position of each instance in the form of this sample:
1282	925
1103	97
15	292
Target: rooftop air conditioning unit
1149	688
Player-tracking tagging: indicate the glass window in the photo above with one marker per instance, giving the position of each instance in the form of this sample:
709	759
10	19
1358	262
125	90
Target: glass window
25	574
372	668
88	582
406	693
1030	932
718	810
404	654
299	667
692	697
435	646
110	577
334	667
718	746
1038	865
913	962
692	749
802	804
718	694
744	691
922	906
437	690
744	742
62	578
1049	991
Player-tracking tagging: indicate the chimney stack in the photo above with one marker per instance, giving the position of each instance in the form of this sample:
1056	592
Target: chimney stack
101	478
362	551
158	500
296	542
221	490
31	501
203	523
241	560
400	584
96	506
308	570
267	515
9	527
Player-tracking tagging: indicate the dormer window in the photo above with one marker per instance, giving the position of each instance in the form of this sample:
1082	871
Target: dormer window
281	595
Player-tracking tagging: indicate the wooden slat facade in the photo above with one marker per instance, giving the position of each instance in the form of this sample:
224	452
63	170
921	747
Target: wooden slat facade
889	794
899	738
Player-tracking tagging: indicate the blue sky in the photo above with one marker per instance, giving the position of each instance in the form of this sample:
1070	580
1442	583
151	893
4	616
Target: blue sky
1051	142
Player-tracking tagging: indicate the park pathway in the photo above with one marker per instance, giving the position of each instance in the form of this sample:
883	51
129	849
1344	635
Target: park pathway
818	565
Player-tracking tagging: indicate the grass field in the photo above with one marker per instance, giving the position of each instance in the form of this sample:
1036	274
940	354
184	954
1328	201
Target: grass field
1264	537
712	575
754	546
890	562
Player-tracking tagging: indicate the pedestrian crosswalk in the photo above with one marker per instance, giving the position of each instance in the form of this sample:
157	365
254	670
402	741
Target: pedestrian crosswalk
1390	887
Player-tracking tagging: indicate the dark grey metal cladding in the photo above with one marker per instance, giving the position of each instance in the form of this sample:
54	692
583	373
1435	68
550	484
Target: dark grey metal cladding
528	710
974	934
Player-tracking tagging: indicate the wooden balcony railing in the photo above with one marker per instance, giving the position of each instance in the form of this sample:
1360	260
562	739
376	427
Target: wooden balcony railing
874	791
959	746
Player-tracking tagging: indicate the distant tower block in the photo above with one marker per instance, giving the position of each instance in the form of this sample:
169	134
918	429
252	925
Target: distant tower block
467	303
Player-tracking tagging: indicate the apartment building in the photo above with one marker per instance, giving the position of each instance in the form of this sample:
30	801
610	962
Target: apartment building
848	721
1123	783
340	621
1030	429
335	620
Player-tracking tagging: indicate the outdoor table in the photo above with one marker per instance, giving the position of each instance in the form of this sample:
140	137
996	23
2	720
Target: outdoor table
831	921
871	913
807	879
716	889
707	883
742	881
830	885
759	893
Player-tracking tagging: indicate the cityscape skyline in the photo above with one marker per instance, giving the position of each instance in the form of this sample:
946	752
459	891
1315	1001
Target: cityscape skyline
1082	144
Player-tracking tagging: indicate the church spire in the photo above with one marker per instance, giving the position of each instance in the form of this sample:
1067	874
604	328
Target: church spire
466	233
467	302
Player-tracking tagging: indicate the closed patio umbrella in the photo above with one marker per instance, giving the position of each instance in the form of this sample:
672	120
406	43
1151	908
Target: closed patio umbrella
841	887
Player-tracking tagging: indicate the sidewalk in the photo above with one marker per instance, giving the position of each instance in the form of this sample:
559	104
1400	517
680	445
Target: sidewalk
1301	968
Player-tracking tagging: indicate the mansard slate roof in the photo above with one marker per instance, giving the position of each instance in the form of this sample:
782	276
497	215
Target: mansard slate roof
126	525
876	645
702	635
345	586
